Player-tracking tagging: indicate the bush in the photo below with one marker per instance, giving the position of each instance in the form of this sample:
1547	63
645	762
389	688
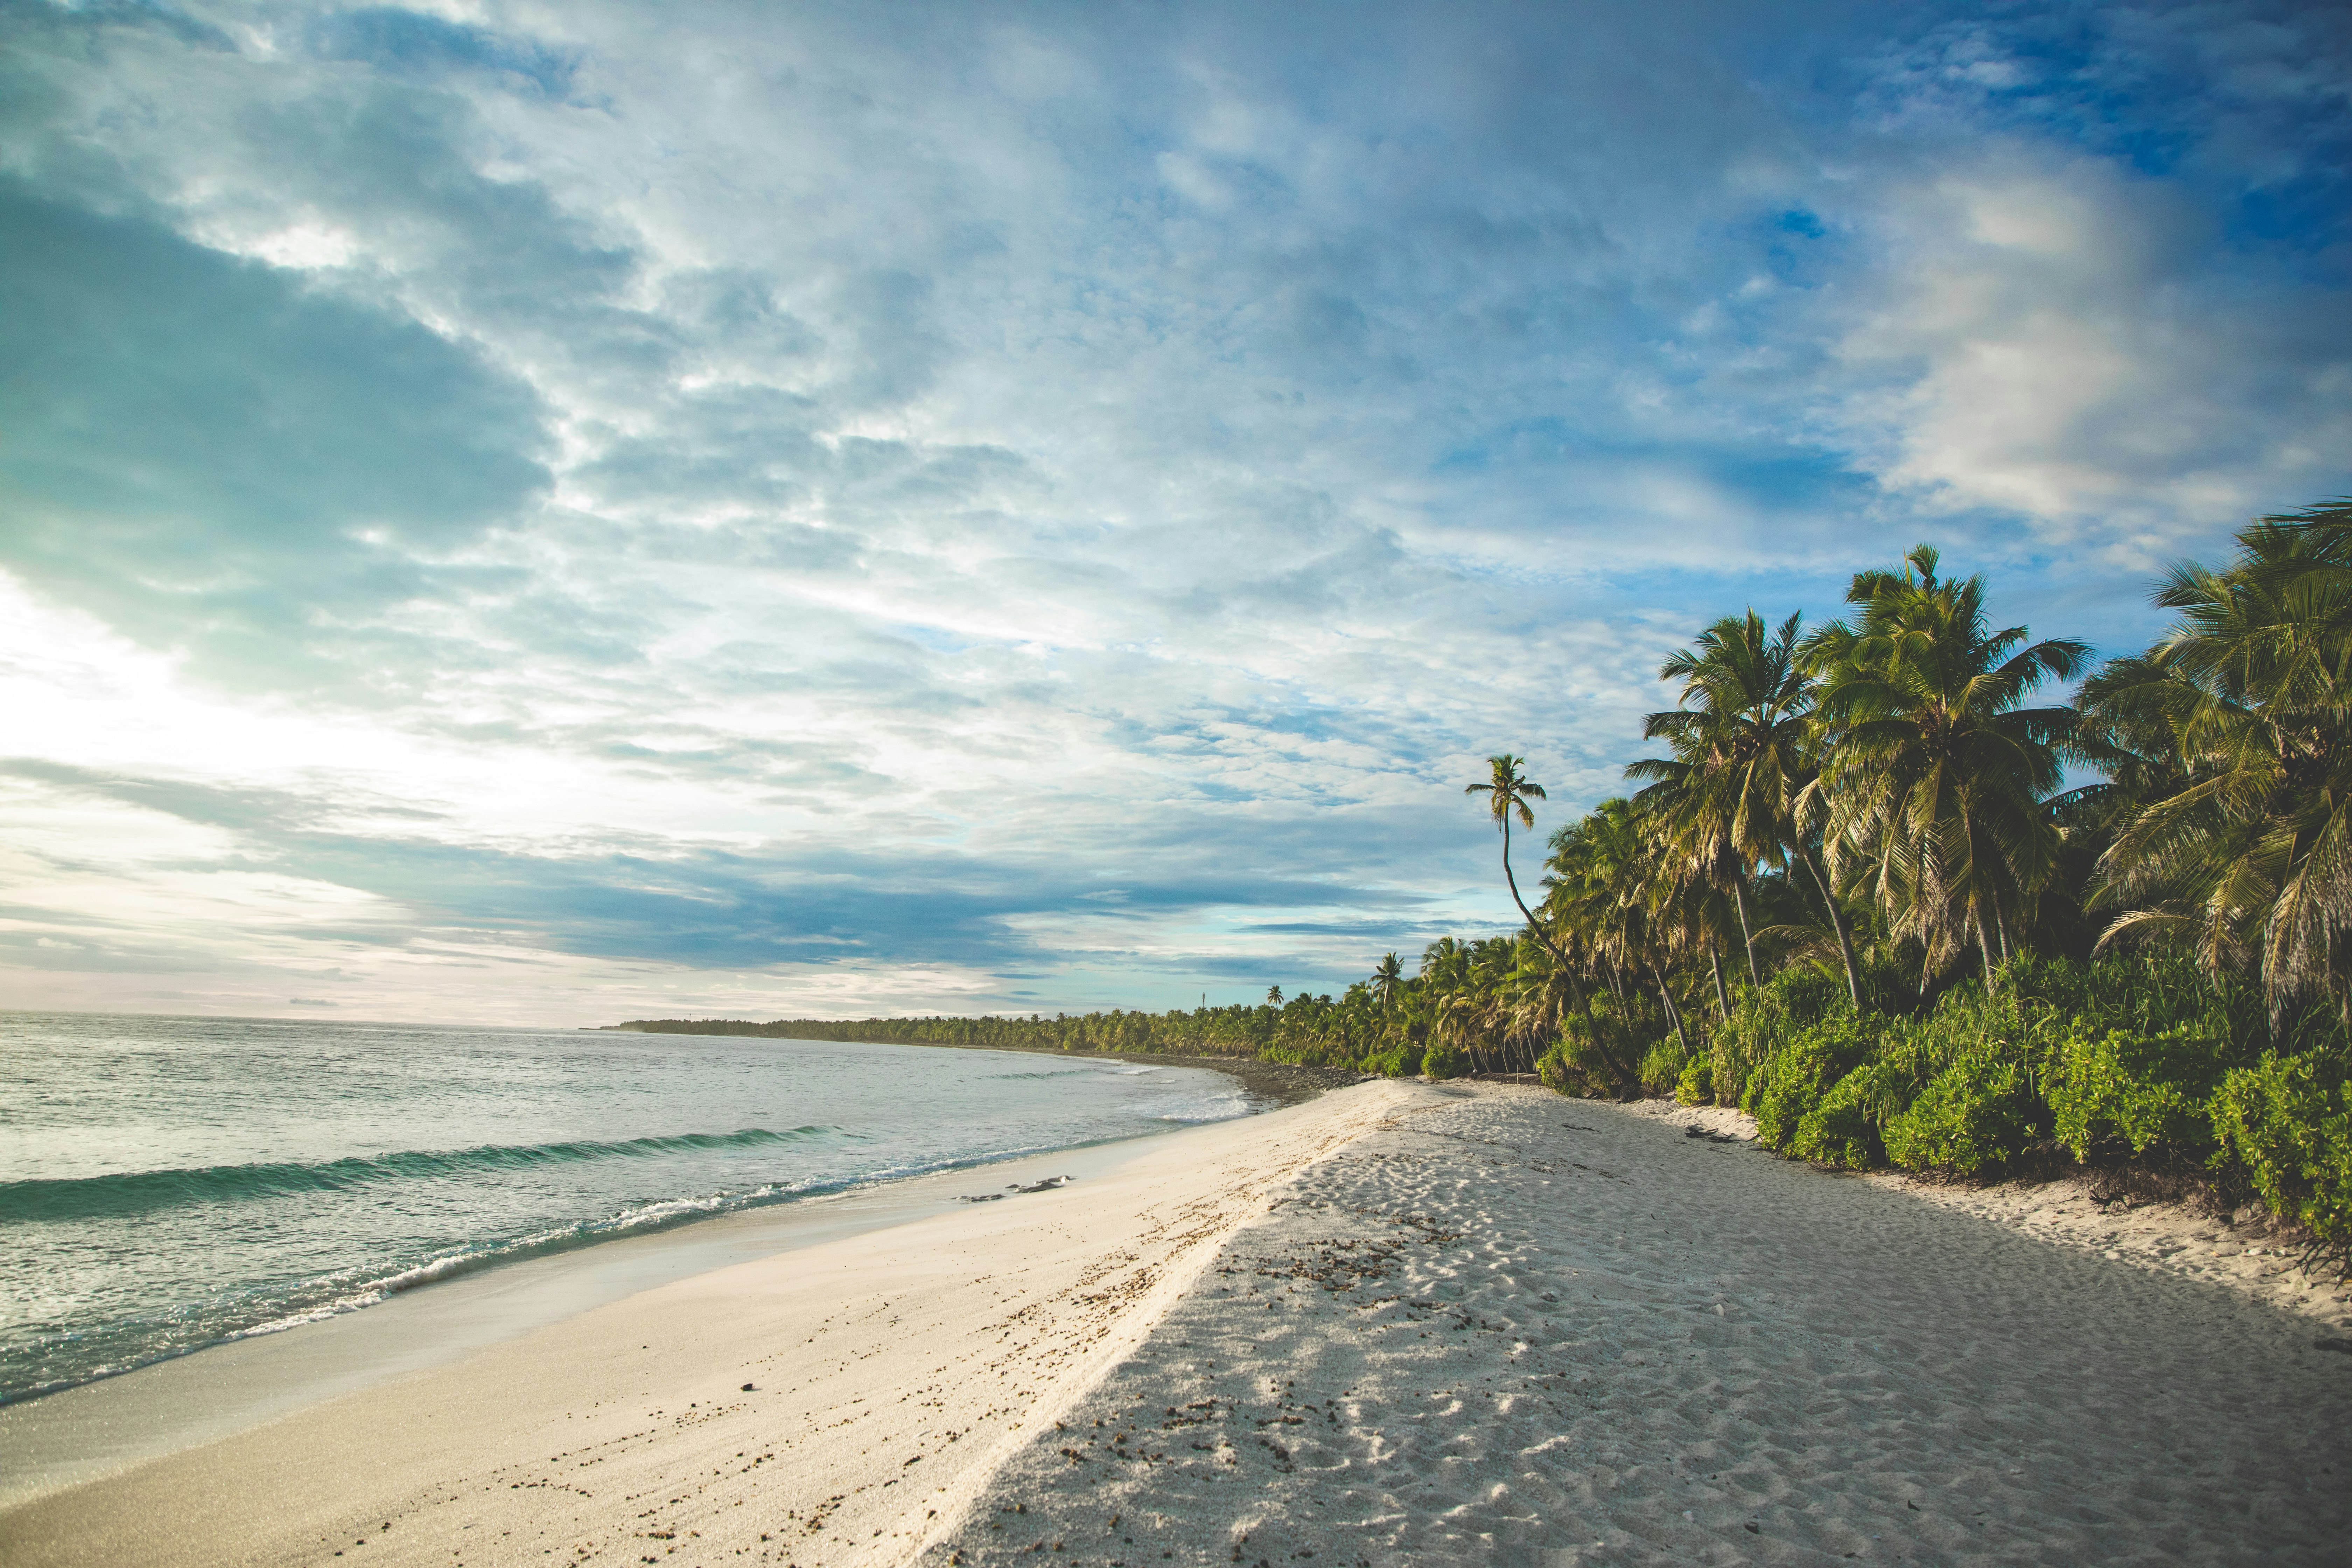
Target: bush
1841	1129
2286	1120
2124	1057
1609	1031
1662	1068
1570	1068
1444	1059
2117	1090
1697	1086
1979	1114
1397	1061
1792	1081
1764	1021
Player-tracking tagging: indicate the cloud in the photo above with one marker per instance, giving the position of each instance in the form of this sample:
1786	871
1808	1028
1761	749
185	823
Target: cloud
2063	342
199	448
793	506
409	43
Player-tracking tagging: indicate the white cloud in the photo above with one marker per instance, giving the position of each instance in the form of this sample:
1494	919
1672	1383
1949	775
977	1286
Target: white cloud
665	498
2055	341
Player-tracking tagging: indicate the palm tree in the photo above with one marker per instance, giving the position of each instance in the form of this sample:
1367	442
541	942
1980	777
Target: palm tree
1507	795
1388	981
1600	880
2252	851
1935	779
1743	753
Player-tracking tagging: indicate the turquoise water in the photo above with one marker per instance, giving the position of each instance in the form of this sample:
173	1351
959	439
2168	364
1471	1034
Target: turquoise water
167	1183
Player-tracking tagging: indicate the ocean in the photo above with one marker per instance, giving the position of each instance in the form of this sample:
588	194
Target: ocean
167	1183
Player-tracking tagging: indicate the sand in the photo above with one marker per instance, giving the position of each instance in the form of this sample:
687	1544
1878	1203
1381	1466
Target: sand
2245	1251
1403	1323
1519	1329
887	1371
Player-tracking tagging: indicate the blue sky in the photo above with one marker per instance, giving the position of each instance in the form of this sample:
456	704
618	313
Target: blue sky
559	512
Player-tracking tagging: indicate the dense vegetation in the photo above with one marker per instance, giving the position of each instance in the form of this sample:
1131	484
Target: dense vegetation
1307	1029
1881	895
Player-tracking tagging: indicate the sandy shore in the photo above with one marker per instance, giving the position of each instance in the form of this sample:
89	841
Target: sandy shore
1402	1323
1519	1329
2244	1252
887	1373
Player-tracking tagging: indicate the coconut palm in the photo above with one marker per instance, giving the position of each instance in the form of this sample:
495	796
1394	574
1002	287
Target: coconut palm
1507	795
2250	857
1743	753
1601	882
1934	778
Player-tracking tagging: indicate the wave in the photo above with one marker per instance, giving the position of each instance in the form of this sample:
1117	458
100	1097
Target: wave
141	1192
351	1291
1086	1069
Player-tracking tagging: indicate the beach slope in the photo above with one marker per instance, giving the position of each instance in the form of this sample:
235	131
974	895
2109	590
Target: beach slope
834	1405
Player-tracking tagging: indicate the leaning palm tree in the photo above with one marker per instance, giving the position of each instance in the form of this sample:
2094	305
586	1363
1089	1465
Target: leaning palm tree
1934	778
1507	795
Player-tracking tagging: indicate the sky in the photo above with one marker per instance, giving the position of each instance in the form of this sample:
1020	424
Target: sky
532	513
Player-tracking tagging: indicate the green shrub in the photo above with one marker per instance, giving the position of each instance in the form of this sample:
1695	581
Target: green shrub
1571	1066
1839	1131
1765	1021
1790	1082
2287	1122
1662	1068
2119	1088
1979	1114
1610	1032
1697	1086
1444	1059
2127	1055
1397	1061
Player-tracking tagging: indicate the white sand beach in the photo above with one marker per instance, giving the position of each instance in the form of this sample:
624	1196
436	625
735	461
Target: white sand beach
1519	1329
2246	1251
1401	1323
886	1371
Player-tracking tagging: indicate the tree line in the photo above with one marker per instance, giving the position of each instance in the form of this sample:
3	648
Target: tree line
1887	886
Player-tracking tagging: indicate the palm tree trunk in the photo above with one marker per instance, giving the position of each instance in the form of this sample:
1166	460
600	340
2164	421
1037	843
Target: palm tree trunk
1674	1013
1674	1016
1837	922
2000	924
1722	1003
1592	1028
1746	937
1984	946
1535	930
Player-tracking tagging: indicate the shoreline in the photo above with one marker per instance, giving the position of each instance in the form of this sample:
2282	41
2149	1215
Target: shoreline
1403	1322
957	1326
87	1430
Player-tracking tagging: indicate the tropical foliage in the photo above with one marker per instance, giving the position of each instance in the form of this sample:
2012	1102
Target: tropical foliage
1887	890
